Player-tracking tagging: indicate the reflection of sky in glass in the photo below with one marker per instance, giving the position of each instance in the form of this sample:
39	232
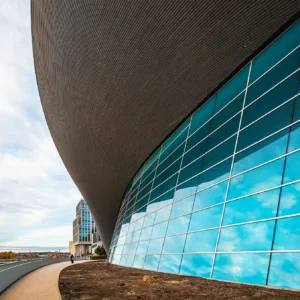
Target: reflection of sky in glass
290	200
285	270
251	268
164	208
249	237
259	206
169	263
259	179
203	241
287	235
196	264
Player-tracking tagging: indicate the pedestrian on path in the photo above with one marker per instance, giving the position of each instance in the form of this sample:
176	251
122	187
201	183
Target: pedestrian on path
72	258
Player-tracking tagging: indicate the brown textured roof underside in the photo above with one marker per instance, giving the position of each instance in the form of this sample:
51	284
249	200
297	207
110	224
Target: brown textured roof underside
116	77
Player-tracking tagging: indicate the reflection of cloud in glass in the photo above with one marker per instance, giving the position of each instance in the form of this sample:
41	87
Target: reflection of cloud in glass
203	241
294	142
151	262
179	225
251	268
292	167
174	244
285	270
248	237
287	235
290	200
139	261
169	263
196	265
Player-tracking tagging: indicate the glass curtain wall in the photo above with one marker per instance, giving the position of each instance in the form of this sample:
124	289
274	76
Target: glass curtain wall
221	197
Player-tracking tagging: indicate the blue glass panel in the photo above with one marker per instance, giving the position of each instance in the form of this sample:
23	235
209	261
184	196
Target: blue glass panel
211	196
232	88
194	153
182	207
287	234
132	248
169	263
126	248
206	218
149	219
250	268
151	262
139	261
179	225
169	184
186	189
297	107
159	230
276	51
221	152
256	180
190	171
259	206
215	174
269	101
129	237
142	247
290	200
174	244
266	126
294	142
202	114
163	214
292	167
123	260
119	250
155	246
139	223
116	259
196	265
248	237
136	236
198	136
203	241
229	111
285	270
262	152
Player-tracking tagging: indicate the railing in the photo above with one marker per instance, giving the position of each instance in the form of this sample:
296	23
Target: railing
9	273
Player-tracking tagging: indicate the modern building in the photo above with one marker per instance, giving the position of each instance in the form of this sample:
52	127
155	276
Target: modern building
179	123
85	235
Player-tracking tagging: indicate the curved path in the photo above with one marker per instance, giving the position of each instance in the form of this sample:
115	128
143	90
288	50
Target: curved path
41	284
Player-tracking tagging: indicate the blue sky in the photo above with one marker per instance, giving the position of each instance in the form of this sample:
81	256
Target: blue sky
37	195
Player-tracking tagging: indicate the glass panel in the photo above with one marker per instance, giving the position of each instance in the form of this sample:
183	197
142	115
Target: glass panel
221	152
159	230
169	263
174	244
206	218
194	153
198	136
211	196
250	268
285	270
136	235
215	174
203	241
149	219
163	214
182	207
287	234
266	126
132	248
129	237
202	114
297	107
276	51
116	259
292	168
123	260
248	237
262	152
139	261
232	88
269	101
260	206
196	265
155	246
186	189
256	180
294	142
290	200
179	225
190	171
142	247
151	262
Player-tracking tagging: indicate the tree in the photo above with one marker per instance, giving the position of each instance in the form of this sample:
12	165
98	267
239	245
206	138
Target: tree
100	251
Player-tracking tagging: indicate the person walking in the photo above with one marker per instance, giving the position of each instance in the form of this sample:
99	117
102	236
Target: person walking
72	258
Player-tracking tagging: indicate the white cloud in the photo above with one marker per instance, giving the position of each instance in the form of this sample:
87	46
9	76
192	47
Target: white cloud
37	195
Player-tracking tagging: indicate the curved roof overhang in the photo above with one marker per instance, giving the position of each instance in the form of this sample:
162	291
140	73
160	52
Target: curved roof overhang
116	77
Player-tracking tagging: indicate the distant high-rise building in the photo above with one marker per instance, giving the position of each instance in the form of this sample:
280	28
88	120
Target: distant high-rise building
85	235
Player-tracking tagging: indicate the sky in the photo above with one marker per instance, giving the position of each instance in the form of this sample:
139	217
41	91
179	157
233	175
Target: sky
37	195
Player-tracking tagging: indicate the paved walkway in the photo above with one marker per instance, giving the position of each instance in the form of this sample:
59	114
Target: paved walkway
41	284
